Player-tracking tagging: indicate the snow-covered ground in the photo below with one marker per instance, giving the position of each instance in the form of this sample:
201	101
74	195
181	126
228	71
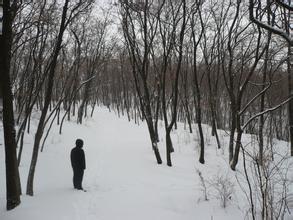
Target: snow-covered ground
122	179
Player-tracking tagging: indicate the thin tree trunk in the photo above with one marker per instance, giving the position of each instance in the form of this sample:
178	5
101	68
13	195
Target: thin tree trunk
40	129
262	103
290	89
232	133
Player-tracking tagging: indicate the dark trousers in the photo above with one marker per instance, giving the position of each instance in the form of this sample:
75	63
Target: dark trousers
77	178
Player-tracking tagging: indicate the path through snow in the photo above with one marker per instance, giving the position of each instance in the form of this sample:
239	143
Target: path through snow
122	180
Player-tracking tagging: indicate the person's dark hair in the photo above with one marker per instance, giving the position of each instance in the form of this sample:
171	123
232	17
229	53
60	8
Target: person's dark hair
79	142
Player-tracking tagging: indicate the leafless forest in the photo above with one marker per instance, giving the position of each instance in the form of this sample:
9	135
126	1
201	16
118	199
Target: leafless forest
227	64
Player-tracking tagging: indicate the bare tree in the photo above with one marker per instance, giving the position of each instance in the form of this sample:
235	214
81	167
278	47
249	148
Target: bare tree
169	43
197	93
278	22
136	16
97	52
13	190
65	20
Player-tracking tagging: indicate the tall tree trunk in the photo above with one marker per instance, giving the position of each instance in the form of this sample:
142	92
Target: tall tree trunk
13	190
197	102
196	79
40	129
262	103
290	88
140	68
174	105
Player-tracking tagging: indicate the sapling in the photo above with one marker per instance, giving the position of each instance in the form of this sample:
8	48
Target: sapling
203	185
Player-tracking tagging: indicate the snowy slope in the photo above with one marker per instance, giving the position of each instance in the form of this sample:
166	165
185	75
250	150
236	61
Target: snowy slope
122	179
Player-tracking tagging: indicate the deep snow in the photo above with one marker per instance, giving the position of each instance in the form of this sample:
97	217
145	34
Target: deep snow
122	179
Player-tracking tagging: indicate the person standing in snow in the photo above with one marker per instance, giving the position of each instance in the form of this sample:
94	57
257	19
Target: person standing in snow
78	164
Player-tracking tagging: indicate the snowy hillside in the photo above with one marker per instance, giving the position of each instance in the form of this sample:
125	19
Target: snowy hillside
122	179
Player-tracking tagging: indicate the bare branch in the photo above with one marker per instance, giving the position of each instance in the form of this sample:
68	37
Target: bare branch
266	111
267	26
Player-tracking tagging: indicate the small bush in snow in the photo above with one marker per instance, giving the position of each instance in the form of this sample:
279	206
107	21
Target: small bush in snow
224	188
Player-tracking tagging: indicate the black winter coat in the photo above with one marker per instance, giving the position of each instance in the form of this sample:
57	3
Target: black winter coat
77	158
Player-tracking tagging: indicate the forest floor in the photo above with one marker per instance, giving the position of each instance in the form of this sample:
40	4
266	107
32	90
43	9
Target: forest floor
122	179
